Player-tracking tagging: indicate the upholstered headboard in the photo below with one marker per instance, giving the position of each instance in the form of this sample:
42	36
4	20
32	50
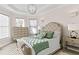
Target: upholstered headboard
52	26
56	28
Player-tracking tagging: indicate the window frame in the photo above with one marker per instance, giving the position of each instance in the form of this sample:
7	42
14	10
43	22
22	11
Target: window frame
8	27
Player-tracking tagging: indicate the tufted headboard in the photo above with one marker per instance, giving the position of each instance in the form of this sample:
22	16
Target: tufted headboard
52	26
56	28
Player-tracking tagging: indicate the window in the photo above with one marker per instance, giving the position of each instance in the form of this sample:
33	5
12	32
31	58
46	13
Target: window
20	23
4	26
33	26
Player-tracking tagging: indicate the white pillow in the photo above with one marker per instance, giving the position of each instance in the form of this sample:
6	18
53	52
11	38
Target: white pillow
56	34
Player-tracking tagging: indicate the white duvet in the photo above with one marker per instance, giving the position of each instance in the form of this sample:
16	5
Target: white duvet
54	45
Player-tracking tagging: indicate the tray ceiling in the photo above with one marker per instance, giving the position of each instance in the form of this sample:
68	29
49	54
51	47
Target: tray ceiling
21	9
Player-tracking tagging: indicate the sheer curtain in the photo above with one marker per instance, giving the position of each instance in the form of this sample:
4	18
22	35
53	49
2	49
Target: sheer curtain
20	23
33	26
4	26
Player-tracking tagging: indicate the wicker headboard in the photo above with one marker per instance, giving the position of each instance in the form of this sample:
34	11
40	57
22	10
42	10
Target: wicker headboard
52	26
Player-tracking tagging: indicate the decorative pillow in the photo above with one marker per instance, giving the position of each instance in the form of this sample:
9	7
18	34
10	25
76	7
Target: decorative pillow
41	35
49	35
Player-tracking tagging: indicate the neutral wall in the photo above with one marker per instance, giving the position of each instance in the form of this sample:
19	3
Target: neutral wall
62	16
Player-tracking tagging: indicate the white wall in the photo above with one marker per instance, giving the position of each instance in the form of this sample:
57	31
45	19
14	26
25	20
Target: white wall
62	16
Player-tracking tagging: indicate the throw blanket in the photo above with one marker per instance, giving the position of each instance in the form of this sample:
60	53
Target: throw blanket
40	46
37	44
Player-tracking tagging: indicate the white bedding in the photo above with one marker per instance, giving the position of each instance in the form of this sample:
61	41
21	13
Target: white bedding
54	45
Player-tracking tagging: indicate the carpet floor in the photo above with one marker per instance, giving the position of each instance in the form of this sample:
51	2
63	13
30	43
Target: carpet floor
11	49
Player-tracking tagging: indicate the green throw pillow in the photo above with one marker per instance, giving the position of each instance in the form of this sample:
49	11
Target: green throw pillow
41	35
49	35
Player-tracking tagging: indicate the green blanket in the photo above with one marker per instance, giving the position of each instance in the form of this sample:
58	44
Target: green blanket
40	46
37	44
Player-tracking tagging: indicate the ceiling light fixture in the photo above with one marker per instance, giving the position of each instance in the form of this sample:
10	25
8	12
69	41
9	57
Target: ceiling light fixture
32	8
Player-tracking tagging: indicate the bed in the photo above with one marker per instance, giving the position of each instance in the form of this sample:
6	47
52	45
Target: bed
34	46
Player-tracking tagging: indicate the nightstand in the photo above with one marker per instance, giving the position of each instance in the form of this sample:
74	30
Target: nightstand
71	43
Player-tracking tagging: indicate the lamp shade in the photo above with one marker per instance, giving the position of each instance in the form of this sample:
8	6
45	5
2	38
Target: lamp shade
73	26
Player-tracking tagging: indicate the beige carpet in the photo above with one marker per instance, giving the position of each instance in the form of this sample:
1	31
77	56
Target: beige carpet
12	50
62	53
5	41
9	50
